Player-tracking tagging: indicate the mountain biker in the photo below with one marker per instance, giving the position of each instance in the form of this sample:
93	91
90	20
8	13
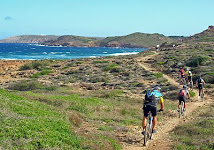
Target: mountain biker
200	84
183	94
151	98
188	75
182	74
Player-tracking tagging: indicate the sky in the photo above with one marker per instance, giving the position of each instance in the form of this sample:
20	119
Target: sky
101	18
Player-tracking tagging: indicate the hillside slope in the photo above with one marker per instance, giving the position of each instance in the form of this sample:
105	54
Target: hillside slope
29	39
71	40
205	36
136	40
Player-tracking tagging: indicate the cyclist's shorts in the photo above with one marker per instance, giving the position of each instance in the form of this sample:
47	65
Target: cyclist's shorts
190	78
200	86
182	98
182	76
148	108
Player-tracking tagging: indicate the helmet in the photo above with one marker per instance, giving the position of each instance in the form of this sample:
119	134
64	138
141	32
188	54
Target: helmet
181	67
184	86
157	88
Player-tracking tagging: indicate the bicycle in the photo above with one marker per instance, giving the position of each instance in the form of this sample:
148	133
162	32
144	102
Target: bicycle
181	110
182	81
148	129
201	95
190	84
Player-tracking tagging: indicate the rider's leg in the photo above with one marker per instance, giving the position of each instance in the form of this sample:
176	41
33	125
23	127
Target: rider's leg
154	121
199	91
144	122
202	91
179	103
184	104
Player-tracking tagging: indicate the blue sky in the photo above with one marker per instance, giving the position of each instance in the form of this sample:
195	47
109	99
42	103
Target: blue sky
104	17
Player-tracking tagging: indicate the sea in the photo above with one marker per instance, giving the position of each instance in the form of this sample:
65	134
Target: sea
20	51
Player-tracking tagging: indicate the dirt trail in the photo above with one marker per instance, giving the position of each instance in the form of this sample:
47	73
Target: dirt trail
161	140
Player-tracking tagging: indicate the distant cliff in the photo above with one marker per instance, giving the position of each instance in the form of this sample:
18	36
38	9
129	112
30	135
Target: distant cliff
71	40
29	39
205	36
135	40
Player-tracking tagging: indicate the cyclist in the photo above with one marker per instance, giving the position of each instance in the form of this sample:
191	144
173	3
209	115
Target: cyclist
188	75
183	94
151	98
182	74
200	84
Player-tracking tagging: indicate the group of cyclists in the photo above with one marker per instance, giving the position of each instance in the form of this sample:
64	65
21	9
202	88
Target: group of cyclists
154	96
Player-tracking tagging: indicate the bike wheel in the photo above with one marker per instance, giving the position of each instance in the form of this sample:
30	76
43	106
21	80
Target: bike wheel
150	128
202	95
146	134
180	112
181	109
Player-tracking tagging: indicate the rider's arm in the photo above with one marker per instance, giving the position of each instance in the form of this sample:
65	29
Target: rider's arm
188	95
161	103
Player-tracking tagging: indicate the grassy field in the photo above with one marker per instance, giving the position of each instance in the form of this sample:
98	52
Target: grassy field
198	134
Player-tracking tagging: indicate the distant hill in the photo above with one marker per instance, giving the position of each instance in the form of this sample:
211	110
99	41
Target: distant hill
205	36
131	41
71	40
136	40
29	39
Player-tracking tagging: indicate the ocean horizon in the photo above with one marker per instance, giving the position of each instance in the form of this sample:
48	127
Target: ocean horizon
22	51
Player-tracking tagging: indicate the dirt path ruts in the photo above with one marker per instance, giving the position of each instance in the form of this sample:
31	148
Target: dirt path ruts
161	140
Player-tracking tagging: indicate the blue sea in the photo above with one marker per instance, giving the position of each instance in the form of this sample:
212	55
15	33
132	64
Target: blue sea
20	51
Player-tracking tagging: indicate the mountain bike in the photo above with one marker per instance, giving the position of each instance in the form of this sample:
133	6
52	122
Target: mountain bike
201	95
148	129
181	110
190	84
183	81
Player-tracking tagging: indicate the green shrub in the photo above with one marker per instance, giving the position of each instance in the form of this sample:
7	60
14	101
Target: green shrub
158	75
26	67
161	63
25	85
112	93
43	72
39	64
195	61
191	93
110	66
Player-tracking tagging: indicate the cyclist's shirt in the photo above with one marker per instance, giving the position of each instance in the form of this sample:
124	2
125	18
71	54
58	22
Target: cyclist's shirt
188	73
182	72
200	82
183	92
157	96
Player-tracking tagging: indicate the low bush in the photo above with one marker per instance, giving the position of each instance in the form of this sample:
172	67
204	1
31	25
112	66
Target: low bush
25	85
195	61
191	93
110	67
43	72
158	75
26	67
